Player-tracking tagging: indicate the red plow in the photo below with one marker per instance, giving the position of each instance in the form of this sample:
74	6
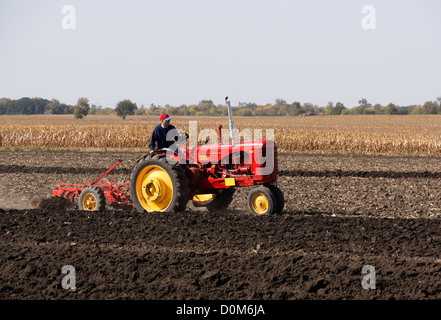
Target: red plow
92	195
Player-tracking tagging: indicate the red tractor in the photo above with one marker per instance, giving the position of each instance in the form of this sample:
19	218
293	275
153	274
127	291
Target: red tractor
207	175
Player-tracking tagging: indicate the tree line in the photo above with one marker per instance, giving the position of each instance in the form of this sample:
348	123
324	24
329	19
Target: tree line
27	106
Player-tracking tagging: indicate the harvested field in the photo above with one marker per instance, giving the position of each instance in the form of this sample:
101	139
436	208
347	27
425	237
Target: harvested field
364	134
341	213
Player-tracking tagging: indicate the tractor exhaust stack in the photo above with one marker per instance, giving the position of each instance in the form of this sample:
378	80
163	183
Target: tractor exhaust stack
231	123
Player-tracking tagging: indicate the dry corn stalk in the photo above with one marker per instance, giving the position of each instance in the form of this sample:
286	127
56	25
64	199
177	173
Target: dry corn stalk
368	134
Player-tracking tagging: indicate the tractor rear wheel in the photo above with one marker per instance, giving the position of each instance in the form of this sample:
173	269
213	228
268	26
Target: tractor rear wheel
92	199
221	201
158	185
262	201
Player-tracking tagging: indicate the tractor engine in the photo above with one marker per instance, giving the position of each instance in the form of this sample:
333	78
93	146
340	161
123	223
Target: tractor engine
219	166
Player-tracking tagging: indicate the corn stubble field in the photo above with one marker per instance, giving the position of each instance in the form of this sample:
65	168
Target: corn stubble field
373	135
359	190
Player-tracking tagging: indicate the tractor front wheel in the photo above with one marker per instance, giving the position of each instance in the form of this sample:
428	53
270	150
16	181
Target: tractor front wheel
92	199
262	201
280	199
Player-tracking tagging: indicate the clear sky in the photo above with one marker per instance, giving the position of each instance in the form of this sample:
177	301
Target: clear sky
181	52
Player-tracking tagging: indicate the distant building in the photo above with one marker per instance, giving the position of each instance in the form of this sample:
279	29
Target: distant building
308	114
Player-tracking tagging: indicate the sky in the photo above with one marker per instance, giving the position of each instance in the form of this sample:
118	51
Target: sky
181	52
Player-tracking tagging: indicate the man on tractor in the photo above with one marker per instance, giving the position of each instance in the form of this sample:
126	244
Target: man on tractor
163	135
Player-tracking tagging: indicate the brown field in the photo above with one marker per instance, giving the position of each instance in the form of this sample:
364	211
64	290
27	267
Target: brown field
366	134
366	202
341	213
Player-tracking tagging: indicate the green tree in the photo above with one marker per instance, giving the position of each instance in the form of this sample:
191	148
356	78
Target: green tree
244	112
205	105
93	109
430	107
369	110
81	109
4	105
59	108
24	106
280	102
417	110
248	105
339	107
140	111
391	109
359	109
171	110
293	108
183	107
41	105
363	102
270	110
125	108
329	108
192	110
378	108
403	110
308	106
53	106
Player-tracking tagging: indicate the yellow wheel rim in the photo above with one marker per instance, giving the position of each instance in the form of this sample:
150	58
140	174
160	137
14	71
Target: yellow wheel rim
259	202
154	188
203	199
89	202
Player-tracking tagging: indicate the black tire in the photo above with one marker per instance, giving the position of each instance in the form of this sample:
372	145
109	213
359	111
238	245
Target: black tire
222	200
270	201
178	179
280	199
92	199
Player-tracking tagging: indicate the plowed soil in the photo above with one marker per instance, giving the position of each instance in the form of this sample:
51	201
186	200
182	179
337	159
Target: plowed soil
342	213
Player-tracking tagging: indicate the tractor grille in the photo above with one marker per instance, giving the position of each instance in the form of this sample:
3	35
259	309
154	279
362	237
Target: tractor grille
276	162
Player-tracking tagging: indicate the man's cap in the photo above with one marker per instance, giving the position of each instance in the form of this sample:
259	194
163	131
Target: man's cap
165	117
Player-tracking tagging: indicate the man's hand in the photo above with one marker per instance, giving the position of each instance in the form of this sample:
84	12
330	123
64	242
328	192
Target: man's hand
151	152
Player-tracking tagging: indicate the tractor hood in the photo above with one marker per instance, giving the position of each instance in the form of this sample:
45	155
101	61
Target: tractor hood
250	150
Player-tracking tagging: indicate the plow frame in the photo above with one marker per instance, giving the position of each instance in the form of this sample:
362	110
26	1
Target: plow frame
112	191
